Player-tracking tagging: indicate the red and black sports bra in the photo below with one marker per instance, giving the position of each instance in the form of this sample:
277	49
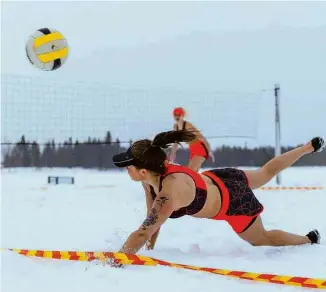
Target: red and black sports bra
201	190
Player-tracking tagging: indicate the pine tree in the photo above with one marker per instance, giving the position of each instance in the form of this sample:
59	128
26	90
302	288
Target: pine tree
35	155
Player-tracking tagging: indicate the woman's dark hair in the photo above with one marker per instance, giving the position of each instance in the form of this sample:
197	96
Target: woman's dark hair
151	155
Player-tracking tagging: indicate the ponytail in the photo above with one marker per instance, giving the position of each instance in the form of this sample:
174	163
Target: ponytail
150	154
165	139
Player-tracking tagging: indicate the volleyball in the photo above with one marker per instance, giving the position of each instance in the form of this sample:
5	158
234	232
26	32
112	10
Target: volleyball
47	49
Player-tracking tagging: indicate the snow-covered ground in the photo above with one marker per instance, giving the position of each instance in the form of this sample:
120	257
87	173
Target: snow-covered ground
102	208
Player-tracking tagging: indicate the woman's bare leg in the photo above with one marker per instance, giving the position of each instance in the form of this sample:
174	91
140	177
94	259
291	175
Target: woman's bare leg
258	236
259	177
196	162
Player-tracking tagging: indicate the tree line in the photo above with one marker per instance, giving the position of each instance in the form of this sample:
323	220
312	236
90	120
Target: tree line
97	153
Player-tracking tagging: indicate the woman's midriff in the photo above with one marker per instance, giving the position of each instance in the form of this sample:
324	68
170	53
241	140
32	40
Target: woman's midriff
213	201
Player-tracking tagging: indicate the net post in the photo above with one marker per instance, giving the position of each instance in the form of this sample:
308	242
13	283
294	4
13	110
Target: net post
277	127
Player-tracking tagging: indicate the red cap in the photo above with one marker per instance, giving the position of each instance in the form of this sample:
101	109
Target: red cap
178	111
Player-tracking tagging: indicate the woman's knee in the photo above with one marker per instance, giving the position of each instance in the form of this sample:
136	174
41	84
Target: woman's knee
258	178
265	239
256	243
259	241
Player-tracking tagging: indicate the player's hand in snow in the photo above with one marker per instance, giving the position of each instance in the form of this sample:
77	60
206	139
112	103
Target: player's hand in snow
113	263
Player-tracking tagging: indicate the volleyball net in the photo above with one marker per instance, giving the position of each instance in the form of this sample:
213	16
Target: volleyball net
46	110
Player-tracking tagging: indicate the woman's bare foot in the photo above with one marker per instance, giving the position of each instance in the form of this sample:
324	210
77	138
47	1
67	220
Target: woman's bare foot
315	145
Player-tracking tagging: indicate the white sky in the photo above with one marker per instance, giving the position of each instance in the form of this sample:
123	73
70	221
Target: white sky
228	46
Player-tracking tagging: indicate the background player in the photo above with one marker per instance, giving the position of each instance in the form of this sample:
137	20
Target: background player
199	148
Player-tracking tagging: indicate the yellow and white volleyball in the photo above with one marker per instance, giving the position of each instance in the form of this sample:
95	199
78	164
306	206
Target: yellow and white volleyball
47	49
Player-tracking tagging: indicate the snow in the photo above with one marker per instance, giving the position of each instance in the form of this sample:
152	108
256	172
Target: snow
103	207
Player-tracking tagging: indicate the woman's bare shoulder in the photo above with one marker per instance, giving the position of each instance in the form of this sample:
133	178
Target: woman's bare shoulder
176	182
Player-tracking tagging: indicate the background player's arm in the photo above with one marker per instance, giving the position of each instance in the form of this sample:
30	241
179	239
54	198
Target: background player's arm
174	147
149	203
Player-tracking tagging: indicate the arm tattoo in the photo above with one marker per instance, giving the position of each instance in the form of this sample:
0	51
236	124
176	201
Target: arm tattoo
151	219
161	201
153	215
